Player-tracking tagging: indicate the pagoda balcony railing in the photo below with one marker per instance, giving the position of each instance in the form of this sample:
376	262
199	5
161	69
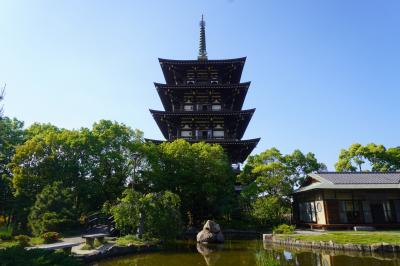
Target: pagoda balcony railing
203	138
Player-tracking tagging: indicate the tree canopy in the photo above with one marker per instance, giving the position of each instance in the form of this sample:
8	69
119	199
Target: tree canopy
371	156
269	178
200	174
93	163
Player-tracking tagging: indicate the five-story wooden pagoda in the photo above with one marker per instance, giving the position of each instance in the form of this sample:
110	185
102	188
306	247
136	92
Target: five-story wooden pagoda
203	101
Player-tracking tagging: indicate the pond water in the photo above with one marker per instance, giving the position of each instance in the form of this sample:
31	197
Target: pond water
248	252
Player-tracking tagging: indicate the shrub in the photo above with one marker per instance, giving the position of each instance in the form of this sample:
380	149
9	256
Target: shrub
284	229
269	210
6	232
50	237
35	257
23	240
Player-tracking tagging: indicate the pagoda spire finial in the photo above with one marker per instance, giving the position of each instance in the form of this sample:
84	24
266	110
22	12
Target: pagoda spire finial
202	46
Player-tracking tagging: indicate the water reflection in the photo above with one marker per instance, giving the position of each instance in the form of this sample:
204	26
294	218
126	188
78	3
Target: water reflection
210	252
310	257
246	253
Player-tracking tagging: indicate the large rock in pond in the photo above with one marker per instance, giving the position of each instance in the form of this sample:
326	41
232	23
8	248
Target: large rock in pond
211	233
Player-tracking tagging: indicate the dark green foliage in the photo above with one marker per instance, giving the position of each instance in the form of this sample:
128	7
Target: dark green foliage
269	179
35	257
126	212
162	216
23	240
11	135
53	210
200	174
160	211
6	232
93	164
50	237
269	210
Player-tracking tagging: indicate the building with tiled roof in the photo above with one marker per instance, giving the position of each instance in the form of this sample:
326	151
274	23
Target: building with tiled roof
347	199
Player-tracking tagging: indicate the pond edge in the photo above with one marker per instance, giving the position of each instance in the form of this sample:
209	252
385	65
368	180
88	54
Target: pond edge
117	251
330	245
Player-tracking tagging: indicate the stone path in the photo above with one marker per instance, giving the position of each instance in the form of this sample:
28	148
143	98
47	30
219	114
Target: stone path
73	240
309	232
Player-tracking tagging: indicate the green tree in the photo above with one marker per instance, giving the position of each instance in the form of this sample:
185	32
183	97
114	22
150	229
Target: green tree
1	99
371	156
54	210
111	154
127	211
200	174
11	135
393	158
269	178
159	213
269	210
162	215
95	163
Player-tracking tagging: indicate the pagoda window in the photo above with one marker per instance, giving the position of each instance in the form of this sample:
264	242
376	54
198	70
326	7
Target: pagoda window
216	107
188	107
186	133
218	134
203	134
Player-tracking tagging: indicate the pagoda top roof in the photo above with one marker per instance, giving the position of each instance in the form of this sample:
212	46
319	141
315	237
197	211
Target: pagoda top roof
240	60
229	70
202	86
200	113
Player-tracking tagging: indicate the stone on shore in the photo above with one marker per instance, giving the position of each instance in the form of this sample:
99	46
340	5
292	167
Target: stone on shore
211	233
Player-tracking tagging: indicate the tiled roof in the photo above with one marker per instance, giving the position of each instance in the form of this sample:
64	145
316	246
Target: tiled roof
361	177
352	181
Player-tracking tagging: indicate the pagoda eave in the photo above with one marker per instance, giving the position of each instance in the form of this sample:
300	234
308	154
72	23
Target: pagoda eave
242	85
235	94
237	120
204	113
239	60
175	70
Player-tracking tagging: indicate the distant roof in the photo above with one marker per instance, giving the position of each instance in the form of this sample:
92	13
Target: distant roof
361	177
205	62
351	180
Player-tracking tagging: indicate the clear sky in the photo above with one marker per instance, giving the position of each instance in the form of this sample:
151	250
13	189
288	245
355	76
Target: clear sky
324	73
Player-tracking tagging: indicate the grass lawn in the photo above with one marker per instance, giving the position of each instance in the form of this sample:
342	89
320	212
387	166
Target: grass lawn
13	243
351	237
133	240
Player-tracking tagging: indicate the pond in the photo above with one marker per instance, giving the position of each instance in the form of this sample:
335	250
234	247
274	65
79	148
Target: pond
248	252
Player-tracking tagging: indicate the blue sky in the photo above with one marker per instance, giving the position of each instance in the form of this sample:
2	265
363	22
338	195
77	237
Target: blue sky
324	74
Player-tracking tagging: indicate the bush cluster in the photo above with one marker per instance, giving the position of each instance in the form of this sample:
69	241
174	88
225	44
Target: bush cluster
35	257
50	237
23	240
284	229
